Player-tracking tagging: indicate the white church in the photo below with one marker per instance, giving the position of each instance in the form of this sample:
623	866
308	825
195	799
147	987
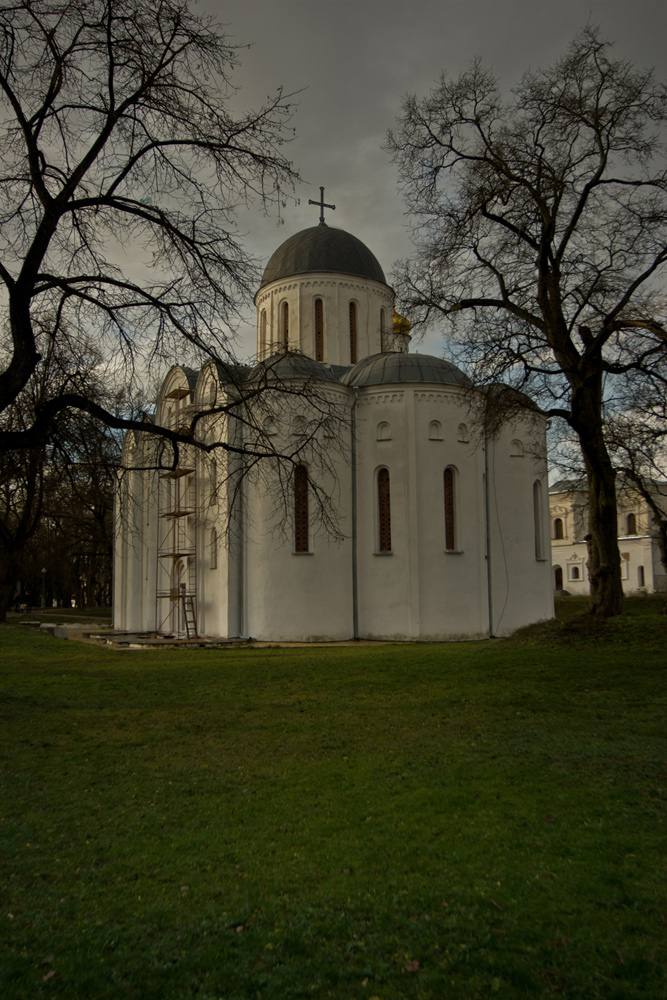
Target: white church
427	531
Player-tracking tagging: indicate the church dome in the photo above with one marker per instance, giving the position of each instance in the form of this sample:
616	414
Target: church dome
380	369
322	249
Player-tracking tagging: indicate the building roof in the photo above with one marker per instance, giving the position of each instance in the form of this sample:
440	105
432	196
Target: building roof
288	366
569	485
380	369
322	249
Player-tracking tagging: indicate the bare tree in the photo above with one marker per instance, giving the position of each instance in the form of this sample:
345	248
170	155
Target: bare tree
121	166
56	499
541	232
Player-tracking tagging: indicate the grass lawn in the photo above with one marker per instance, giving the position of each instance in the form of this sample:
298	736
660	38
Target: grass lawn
436	821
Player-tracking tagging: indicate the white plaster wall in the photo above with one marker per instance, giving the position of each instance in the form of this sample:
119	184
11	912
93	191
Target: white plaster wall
636	551
453	585
522	587
296	596
658	571
289	595
219	586
217	593
419	591
149	542
388	590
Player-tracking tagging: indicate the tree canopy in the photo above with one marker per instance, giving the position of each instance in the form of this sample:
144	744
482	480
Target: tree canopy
122	162
540	231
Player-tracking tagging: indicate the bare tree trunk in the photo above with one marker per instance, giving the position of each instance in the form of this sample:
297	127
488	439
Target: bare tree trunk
604	561
9	572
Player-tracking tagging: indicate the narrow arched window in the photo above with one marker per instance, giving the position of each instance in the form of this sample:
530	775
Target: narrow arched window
319	330
285	325
212	481
435	431
301	509
384	512
632	524
191	495
575	572
353	333
558	577
382	330
537	519
640	576
558	528
262	328
213	556
450	511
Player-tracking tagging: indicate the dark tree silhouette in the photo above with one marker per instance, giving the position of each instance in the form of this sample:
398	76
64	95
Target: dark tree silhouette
118	137
540	230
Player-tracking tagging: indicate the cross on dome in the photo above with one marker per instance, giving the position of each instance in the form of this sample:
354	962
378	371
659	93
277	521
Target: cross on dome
322	206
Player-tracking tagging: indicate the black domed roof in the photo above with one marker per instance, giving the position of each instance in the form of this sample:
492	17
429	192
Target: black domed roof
379	369
322	249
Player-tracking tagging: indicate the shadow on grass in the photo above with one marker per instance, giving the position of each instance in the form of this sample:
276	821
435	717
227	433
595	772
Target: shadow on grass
643	622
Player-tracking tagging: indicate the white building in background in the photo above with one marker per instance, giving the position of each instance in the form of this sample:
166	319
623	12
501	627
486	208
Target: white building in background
441	536
641	567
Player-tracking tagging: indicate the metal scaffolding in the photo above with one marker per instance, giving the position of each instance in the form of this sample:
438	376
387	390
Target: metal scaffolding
176	589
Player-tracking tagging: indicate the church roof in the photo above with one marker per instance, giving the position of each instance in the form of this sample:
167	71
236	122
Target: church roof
191	374
322	249
380	369
232	372
288	366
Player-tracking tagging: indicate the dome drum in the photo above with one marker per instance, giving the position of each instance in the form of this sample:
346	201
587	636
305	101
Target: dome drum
329	317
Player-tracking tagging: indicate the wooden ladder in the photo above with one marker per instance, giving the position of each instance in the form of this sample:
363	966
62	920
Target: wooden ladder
189	616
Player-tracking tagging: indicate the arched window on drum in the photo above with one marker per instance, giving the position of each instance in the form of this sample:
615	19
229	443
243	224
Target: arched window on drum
262	328
319	330
353	332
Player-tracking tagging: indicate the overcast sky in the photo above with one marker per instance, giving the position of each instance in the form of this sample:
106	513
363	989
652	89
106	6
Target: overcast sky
354	60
